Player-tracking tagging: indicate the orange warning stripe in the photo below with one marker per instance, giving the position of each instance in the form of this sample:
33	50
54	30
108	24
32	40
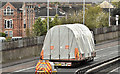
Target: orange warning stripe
76	53
41	55
51	47
67	47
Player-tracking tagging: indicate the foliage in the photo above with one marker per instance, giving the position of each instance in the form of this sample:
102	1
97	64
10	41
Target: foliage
8	38
116	4
28	32
116	11
39	28
55	21
95	17
2	34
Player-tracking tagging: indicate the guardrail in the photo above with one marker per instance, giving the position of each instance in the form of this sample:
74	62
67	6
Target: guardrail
86	70
102	66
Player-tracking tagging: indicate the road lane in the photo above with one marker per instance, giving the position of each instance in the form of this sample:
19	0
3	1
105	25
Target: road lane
102	54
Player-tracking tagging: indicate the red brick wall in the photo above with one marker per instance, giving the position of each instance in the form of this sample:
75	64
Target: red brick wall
17	21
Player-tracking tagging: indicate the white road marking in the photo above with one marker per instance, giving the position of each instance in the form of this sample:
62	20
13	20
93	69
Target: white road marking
106	55
34	67
24	69
106	48
113	70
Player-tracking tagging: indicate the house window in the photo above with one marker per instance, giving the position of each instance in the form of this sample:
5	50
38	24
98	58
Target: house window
24	25
6	32
11	33
8	24
8	11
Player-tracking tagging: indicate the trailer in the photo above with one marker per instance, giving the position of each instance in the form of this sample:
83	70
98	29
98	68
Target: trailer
66	44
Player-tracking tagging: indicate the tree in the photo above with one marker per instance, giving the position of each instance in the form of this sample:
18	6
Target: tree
28	32
55	21
116	4
2	34
39	28
95	17
116	11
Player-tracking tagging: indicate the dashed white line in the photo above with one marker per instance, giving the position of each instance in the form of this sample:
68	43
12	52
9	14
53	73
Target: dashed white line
106	55
34	66
24	69
106	48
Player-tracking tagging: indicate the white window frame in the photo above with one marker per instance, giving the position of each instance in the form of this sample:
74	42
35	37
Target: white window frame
10	27
10	11
11	33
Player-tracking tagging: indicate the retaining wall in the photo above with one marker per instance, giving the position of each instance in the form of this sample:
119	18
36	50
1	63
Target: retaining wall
31	47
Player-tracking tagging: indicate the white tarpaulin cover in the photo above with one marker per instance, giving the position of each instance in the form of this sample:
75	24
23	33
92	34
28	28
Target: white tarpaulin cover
61	41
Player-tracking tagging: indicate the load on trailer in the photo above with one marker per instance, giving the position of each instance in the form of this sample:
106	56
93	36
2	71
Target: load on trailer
66	43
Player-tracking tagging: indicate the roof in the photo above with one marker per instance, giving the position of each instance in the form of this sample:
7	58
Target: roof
115	0
43	12
106	4
15	4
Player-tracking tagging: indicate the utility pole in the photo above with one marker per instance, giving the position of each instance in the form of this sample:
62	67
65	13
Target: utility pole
56	8
83	11
109	12
47	15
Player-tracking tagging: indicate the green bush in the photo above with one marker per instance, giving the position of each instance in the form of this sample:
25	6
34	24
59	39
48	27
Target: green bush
2	34
8	38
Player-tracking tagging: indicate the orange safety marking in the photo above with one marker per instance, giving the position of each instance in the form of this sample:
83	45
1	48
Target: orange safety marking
41	55
67	47
76	53
51	47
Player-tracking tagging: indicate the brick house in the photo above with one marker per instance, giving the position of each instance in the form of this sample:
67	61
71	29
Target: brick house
16	17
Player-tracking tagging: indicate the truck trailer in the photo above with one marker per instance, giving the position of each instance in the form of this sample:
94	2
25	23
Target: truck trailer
66	44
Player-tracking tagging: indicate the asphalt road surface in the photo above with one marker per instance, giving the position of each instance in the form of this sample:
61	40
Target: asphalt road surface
102	54
104	51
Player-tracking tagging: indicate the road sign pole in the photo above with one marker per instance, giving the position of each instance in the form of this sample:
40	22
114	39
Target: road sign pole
83	11
47	15
109	12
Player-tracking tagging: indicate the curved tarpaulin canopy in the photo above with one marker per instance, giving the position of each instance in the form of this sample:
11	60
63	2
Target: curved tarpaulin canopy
62	41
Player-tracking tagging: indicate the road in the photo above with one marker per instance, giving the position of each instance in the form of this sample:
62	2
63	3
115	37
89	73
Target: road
102	53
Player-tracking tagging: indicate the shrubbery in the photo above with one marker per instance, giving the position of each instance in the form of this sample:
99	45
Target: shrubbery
95	17
2	34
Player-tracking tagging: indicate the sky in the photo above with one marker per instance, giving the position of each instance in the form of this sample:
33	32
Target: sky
94	1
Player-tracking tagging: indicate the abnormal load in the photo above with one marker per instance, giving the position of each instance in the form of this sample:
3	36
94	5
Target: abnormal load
68	42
